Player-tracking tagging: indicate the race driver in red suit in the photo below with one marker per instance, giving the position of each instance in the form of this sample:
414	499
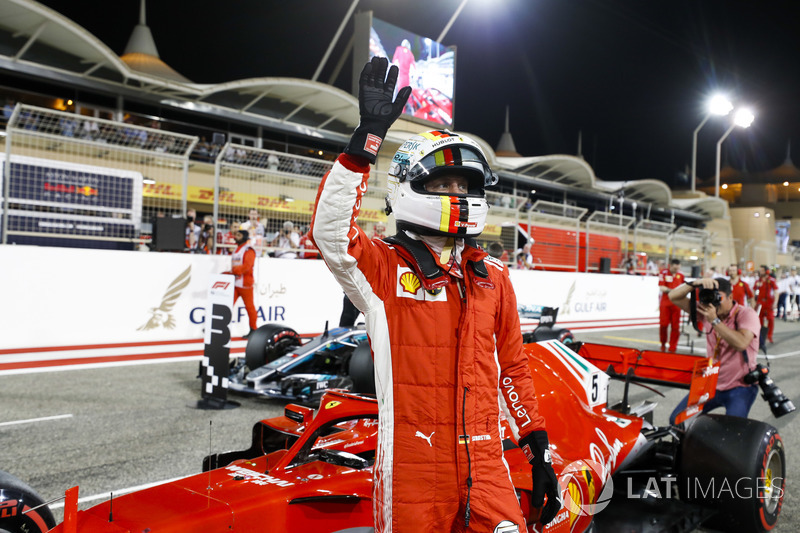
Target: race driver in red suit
242	261
443	327
670	314
766	288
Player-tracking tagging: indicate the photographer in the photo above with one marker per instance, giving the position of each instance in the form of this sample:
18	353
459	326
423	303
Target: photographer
733	334
288	242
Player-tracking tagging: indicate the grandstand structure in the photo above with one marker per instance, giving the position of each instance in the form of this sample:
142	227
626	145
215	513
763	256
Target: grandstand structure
98	147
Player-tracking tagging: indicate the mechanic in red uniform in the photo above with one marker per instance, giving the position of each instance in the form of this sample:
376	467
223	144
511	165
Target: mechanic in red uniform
308	250
740	290
766	289
242	261
670	314
443	327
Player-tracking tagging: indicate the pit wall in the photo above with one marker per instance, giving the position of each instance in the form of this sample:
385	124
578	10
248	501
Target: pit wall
55	297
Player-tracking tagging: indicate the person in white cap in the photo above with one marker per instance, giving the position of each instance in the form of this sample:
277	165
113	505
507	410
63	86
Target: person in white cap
288	242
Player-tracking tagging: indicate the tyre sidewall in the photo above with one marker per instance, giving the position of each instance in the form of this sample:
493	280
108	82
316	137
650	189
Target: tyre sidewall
269	342
723	465
15	498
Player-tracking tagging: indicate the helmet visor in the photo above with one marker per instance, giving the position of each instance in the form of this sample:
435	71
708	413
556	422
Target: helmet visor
455	160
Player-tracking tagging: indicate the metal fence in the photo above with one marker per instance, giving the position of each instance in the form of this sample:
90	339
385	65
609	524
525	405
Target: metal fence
692	246
90	181
77	180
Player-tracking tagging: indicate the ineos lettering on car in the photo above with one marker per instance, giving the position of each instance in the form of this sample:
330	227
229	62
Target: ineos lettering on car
257	478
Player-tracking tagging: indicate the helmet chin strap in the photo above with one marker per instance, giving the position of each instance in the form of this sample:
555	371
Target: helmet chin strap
444	258
442	246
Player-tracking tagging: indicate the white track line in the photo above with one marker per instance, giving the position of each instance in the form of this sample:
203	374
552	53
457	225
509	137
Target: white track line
120	492
32	420
89	366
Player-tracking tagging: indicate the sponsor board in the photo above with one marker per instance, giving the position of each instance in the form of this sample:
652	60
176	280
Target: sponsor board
85	297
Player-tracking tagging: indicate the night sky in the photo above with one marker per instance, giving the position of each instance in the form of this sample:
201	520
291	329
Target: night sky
632	75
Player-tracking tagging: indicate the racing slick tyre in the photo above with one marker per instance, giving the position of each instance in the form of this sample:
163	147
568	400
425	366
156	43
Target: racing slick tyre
565	336
269	342
736	466
362	370
547	333
16	503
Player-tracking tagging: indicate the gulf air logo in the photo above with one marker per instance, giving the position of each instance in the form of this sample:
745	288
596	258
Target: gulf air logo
410	283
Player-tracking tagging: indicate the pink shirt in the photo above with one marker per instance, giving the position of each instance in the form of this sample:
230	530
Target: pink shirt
731	363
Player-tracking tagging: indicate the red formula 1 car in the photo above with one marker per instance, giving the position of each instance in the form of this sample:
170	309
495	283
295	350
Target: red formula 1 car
312	471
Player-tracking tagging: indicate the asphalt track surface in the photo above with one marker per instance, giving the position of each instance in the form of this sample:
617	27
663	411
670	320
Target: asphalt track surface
119	428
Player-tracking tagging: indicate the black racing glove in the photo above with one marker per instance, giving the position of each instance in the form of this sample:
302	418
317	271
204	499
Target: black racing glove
378	111
537	450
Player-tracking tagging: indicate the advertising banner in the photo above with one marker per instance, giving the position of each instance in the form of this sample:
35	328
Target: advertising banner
70	296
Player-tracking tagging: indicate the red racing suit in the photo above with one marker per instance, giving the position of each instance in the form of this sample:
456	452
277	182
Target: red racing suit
766	288
437	372
244	257
741	292
670	314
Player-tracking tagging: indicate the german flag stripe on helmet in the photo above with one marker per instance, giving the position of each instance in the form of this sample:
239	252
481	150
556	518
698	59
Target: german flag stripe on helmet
436	134
454	210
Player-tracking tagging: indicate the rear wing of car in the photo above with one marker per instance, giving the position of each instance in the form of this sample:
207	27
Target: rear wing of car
694	373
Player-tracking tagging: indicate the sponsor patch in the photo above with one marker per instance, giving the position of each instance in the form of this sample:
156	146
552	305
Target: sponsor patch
409	286
372	144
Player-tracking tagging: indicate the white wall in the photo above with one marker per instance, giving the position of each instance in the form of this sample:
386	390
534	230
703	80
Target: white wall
66	297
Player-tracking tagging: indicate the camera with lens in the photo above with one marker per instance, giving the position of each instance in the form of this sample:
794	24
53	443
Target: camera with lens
779	404
709	297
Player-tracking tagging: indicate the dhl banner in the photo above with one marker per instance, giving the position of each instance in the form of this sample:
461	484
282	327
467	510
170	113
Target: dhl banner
245	200
72	296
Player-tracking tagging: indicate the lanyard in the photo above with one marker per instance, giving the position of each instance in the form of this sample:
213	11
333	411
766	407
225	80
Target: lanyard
719	337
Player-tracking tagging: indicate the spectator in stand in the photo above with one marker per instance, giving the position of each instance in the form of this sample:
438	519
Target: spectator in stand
288	242
739	287
750	278
765	289
193	230
226	242
8	109
784	294
273	162
652	268
525	257
242	262
255	228
201	150
626	265
308	250
206	238
498	251
670	314
379	230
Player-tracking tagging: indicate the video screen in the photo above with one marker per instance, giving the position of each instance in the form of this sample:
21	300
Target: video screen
425	65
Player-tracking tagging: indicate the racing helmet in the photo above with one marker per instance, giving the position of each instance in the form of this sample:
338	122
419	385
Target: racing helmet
430	155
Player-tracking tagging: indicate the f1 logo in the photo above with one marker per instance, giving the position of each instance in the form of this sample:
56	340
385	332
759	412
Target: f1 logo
220	285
